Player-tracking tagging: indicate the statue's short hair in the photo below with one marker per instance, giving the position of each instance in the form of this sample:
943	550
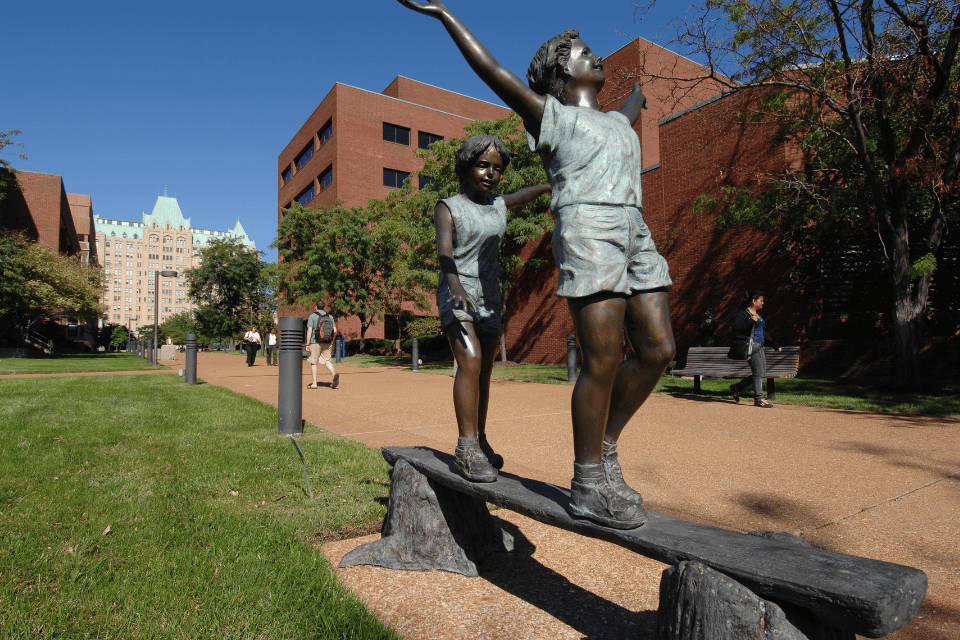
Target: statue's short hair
474	147
545	74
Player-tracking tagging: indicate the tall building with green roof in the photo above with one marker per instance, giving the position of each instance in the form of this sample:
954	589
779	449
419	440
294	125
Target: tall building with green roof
131	253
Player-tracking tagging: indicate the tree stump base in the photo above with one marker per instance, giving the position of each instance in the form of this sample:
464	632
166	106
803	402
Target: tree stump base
429	526
700	603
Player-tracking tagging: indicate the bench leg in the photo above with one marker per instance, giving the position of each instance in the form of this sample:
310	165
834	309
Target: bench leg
429	526
696	384
771	388
697	602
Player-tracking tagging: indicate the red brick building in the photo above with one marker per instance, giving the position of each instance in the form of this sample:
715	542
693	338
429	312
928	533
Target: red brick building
43	210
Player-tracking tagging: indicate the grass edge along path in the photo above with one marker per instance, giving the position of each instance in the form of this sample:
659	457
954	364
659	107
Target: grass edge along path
140	507
849	394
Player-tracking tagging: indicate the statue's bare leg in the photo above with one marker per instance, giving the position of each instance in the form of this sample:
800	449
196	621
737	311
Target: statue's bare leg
471	397
650	333
649	330
598	320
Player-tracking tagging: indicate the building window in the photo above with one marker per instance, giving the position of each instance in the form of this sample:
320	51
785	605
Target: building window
394	133
424	181
305	155
286	175
424	139
326	178
326	132
306	196
393	178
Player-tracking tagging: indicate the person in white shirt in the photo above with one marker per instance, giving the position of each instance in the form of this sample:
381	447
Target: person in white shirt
272	359
252	344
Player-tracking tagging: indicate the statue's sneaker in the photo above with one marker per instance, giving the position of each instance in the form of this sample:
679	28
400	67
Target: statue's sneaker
473	462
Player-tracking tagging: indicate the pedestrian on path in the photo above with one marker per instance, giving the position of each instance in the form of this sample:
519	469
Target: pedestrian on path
748	326
252	342
321	332
272	358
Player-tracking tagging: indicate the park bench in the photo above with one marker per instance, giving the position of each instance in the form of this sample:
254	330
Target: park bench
712	362
437	519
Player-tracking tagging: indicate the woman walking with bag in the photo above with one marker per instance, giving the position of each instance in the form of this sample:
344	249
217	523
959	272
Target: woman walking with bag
748	339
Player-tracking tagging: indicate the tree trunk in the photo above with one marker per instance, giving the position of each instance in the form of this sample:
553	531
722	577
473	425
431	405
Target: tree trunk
908	304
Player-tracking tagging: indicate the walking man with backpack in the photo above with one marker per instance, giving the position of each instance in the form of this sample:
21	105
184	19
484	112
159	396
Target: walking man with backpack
321	332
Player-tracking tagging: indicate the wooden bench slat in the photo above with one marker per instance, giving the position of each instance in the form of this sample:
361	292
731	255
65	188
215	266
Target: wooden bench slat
713	362
866	597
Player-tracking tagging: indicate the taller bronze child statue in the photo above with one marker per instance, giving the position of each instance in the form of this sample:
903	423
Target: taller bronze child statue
610	271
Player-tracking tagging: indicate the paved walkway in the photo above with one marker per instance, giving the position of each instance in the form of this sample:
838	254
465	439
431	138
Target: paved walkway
885	487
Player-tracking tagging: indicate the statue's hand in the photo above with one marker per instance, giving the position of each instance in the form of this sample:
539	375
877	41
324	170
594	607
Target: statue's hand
430	8
460	299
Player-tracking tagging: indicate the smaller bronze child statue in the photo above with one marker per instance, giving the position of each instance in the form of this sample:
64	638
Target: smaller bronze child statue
470	228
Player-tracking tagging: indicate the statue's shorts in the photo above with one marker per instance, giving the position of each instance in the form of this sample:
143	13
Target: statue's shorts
606	248
485	294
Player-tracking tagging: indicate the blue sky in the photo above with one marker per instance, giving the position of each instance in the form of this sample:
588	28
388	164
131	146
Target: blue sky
126	99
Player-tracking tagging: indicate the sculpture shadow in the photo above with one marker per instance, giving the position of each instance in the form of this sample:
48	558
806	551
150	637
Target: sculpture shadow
526	578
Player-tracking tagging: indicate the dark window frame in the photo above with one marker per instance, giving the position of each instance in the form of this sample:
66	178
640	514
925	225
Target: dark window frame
424	139
302	199
325	132
325	179
396	134
394	178
305	155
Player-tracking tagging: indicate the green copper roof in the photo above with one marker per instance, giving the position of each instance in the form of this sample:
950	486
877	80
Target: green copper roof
166	211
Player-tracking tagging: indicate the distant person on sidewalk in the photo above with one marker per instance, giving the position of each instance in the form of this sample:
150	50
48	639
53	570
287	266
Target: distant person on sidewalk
272	359
252	342
748	325
321	332
470	228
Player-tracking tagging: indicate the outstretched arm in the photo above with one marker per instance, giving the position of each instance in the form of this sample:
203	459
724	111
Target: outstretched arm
631	108
525	195
443	220
511	89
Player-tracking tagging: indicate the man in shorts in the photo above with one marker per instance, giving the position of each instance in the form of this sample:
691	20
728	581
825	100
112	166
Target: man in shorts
321	352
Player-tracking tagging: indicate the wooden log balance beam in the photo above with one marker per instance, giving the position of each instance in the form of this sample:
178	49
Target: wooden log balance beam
858	595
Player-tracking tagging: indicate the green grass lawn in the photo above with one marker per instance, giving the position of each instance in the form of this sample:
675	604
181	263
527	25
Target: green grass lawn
141	507
75	363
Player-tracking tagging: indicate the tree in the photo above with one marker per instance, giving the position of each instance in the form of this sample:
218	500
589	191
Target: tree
119	337
8	175
38	283
345	257
868	91
226	286
177	326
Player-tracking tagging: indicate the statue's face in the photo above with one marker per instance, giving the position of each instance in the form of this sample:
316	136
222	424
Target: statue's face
486	173
584	67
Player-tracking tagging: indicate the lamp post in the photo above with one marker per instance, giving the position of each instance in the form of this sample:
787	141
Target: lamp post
156	306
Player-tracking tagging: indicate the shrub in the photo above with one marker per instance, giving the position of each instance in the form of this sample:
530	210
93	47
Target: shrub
436	342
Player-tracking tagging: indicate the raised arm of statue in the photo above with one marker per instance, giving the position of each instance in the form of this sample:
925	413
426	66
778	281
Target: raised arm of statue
632	106
525	196
512	90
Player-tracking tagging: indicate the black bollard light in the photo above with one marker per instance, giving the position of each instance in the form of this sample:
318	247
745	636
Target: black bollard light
191	369
290	380
415	352
571	357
